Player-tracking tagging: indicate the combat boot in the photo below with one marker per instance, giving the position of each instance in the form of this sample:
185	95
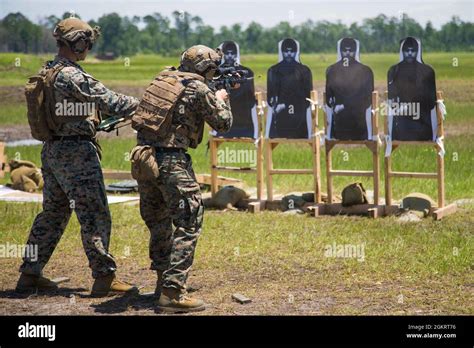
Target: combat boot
28	282
110	285
176	301
159	283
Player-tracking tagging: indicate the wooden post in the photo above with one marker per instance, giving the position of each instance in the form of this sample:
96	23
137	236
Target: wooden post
440	131
328	149
328	172
325	116
387	161
3	160
328	154
440	180
316	147
269	160
388	184
213	145
440	159
375	151
260	114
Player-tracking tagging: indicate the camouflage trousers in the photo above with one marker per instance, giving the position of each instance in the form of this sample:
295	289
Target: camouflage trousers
172	209
72	181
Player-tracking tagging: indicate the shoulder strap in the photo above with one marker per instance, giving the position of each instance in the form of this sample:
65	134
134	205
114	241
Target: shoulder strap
51	73
49	79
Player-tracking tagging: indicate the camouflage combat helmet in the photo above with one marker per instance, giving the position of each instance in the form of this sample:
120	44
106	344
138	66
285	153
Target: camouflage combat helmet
76	33
200	59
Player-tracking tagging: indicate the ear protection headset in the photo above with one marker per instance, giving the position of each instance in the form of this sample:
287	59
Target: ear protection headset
80	40
82	43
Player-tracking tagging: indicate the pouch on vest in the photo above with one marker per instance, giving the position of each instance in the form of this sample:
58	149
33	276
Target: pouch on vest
354	194
144	164
153	117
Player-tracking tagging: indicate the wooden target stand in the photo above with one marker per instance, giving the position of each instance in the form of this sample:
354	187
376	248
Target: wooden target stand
442	209
4	167
215	142
314	142
372	210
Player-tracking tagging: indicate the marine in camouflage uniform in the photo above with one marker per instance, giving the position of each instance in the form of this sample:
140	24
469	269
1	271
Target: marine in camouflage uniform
174	199
73	177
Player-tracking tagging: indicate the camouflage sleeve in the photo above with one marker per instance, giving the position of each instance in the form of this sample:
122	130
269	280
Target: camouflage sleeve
79	85
216	112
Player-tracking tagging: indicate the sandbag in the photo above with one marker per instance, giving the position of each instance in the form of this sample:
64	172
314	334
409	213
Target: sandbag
227	197
354	194
25	176
418	202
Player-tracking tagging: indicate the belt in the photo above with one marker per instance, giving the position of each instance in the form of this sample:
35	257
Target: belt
71	137
170	149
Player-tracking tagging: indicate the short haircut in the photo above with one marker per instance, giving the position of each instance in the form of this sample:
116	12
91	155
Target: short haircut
348	42
410	42
229	46
288	43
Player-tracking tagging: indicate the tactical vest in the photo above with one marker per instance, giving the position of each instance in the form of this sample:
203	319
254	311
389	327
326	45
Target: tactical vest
39	94
154	115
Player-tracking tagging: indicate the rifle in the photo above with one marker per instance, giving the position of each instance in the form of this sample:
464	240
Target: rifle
228	78
225	77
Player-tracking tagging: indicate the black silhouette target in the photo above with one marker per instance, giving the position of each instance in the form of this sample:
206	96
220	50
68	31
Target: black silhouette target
349	87
412	95
289	83
242	99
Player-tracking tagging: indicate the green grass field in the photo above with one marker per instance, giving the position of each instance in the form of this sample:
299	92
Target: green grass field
277	259
140	69
459	165
453	77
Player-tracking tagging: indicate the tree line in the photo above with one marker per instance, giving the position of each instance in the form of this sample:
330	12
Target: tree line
155	33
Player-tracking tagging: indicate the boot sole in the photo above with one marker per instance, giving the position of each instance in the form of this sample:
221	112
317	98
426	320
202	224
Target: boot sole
181	310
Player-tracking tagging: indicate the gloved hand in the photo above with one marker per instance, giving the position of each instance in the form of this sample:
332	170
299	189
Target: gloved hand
279	108
338	108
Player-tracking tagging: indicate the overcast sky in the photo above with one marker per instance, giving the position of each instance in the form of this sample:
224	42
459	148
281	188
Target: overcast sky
265	12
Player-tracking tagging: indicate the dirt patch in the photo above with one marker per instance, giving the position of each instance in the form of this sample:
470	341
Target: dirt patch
22	132
10	133
16	94
12	94
272	294
15	132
